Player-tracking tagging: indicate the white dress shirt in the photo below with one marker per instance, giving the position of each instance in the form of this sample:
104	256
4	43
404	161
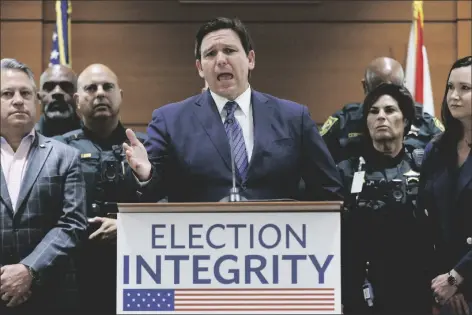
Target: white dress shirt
14	164
243	115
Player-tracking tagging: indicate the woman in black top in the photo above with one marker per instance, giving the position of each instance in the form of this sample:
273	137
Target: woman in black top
446	194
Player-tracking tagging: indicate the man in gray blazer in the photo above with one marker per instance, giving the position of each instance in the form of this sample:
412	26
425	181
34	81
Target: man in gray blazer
42	201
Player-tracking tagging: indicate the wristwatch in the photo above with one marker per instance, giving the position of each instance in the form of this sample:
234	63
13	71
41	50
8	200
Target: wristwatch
34	275
451	280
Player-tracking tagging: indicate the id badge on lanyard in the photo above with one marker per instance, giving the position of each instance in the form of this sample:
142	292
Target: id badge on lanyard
359	178
368	293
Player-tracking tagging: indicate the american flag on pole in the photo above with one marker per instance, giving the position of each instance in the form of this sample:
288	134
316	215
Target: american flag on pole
61	38
230	300
418	79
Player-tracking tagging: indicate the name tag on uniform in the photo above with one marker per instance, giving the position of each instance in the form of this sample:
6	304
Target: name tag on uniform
85	155
357	182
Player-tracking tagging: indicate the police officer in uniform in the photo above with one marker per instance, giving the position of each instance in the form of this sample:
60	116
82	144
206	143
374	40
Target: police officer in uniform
100	142
383	245
342	131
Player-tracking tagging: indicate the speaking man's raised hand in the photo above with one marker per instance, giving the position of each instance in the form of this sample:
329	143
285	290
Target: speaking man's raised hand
137	157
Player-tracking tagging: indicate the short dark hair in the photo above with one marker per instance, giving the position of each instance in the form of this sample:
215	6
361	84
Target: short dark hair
398	93
453	129
221	23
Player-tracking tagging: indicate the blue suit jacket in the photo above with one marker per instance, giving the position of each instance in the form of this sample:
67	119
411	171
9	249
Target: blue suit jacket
446	198
190	153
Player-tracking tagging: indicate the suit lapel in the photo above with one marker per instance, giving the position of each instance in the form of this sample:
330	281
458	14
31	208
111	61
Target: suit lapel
207	113
262	113
37	157
5	195
465	176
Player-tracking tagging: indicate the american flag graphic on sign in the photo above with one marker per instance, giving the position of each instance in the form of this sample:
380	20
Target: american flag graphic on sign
229	300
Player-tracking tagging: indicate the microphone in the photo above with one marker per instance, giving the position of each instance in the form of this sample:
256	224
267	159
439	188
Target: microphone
234	195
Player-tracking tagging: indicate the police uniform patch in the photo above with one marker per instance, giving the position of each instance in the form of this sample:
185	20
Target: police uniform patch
327	125
438	124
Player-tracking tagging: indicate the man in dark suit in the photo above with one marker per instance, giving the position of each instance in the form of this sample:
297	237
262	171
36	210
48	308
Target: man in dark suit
274	142
42	201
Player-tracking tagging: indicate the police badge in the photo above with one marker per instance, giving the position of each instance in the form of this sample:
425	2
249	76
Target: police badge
328	124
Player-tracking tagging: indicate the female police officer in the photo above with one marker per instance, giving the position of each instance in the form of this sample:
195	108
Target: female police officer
382	245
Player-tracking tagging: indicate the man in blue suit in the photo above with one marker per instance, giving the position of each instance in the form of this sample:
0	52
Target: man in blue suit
274	142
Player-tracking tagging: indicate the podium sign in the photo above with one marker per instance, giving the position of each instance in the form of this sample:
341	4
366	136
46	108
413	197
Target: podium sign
213	260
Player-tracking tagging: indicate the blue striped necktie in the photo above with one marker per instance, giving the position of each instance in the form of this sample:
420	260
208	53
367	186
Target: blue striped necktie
233	128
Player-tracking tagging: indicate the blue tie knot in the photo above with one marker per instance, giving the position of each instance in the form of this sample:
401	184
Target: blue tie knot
230	108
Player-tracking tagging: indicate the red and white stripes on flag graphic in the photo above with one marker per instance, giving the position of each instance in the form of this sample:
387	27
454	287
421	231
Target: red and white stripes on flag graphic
314	301
418	79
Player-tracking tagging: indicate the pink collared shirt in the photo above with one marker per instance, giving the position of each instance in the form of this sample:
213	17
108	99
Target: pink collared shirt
14	164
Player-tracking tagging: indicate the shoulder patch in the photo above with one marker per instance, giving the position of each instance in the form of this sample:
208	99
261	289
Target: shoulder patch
328	124
438	124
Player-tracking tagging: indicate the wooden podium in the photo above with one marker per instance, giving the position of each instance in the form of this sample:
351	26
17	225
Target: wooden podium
229	258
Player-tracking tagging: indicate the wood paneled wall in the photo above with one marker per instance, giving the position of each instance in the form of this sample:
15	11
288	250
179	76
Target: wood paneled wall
314	54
